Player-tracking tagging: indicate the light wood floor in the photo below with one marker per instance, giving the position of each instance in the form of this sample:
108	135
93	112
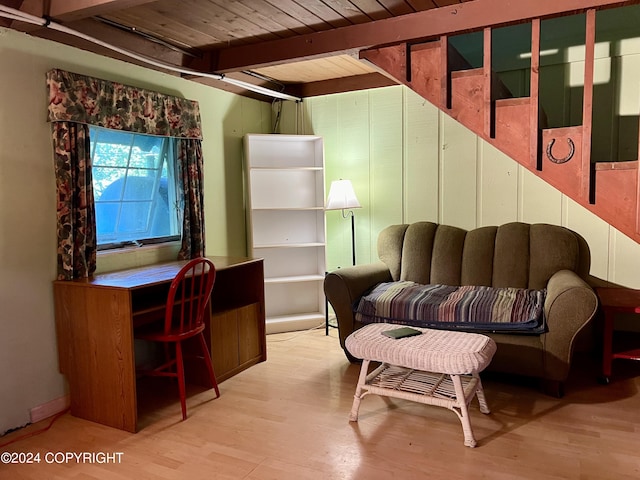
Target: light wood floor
287	419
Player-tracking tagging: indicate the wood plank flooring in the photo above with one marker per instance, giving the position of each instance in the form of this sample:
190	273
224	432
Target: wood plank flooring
287	418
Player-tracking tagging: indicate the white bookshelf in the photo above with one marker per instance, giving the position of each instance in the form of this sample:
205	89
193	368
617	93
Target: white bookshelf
286	226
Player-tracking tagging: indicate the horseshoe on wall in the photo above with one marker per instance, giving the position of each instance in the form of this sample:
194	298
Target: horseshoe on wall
572	150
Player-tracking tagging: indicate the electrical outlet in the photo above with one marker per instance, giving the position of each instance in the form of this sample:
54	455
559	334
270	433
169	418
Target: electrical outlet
49	409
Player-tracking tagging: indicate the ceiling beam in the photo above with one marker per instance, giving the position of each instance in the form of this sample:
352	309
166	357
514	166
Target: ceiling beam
16	4
119	38
467	16
69	10
124	39
344	84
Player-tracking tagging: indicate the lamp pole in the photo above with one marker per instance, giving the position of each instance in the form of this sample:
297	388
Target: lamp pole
353	235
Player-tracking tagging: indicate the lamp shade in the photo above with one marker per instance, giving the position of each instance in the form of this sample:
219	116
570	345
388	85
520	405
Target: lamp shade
342	196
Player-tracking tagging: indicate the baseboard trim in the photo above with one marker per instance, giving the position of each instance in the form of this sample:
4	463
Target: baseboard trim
292	324
49	408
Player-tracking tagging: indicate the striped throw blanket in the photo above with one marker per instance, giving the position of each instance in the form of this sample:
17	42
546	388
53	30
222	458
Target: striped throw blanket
444	306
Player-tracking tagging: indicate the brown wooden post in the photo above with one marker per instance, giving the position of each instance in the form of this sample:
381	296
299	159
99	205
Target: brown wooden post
446	74
534	97
638	186
489	119
407	60
587	103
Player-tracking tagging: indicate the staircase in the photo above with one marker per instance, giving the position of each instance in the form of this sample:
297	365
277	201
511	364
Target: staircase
516	126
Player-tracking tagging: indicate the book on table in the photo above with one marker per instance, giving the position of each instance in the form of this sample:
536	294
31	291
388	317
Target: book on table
401	332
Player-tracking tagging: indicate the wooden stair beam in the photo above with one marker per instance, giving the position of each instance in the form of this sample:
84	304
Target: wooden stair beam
587	104
638	188
562	160
472	72
608	166
425	67
535	159
488	127
467	98
426	72
616	186
389	61
512	134
445	69
513	101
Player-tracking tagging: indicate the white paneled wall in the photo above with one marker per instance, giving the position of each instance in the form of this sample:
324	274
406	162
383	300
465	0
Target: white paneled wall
421	149
410	162
386	153
498	186
458	174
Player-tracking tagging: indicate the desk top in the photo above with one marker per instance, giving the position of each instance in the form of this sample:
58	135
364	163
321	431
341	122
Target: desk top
148	275
619	298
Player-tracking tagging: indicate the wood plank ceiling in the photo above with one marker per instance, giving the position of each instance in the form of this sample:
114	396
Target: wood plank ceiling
195	33
299	47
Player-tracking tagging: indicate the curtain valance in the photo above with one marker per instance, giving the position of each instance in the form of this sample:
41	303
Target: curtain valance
82	99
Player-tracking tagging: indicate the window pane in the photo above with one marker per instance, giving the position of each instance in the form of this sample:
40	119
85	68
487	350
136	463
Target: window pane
148	143
146	152
139	185
133	187
110	147
134	220
108	214
107	184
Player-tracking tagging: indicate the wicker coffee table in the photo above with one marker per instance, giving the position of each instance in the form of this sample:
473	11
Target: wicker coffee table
438	367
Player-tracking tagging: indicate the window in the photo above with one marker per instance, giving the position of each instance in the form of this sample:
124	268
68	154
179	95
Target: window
134	188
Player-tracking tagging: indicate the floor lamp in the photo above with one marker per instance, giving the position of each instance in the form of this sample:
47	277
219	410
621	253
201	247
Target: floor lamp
342	197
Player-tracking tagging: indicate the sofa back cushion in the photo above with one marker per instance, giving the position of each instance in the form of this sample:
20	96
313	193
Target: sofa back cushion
478	257
390	243
511	258
516	254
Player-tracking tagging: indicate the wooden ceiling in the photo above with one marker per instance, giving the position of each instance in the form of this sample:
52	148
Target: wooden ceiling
223	36
300	47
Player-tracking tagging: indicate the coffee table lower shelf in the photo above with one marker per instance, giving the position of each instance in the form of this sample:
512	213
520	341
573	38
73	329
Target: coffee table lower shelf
453	392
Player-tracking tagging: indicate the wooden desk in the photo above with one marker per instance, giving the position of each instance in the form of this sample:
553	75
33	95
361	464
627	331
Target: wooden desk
613	301
95	319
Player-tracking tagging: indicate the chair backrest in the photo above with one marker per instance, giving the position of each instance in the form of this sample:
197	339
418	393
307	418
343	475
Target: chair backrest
189	295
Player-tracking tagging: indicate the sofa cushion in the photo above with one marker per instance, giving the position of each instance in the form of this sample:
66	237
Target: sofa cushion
445	306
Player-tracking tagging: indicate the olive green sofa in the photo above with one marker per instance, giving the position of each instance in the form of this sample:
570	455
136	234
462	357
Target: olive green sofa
519	255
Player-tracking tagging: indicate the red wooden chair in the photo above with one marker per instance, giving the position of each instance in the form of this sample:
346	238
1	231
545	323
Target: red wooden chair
185	313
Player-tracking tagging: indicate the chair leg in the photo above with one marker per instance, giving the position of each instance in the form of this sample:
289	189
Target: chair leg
208	363
181	386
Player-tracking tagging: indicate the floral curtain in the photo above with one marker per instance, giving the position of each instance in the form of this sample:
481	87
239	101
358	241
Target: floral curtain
76	101
190	174
81	99
75	212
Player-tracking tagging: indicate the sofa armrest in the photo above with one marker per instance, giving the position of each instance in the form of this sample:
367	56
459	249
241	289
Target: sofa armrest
570	304
346	285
